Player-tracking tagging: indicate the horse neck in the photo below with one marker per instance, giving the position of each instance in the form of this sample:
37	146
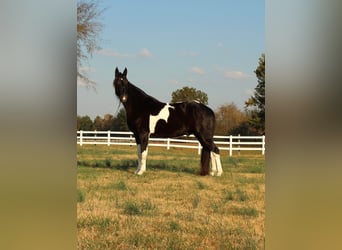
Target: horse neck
139	102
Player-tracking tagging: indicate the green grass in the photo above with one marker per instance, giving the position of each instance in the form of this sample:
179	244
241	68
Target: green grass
80	196
170	206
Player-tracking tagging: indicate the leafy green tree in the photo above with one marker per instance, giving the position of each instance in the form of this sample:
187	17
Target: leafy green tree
255	105
189	94
85	123
244	129
120	122
78	120
98	123
107	122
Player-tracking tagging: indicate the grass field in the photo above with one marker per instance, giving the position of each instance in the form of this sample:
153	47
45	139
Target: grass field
170	206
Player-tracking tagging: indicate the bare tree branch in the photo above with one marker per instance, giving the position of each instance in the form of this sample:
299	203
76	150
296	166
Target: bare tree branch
88	29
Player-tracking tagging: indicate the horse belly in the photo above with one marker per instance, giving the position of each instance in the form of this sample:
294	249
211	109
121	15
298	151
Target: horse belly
169	129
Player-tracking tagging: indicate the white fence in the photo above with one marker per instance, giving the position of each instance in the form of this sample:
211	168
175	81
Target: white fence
225	143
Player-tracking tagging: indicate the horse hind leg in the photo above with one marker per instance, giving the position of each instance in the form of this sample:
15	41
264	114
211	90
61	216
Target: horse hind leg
210	151
213	164
205	158
216	162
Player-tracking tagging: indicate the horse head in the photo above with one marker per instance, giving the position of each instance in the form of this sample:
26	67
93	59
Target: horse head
121	85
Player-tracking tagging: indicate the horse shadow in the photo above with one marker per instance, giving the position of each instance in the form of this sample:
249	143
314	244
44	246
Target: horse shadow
131	166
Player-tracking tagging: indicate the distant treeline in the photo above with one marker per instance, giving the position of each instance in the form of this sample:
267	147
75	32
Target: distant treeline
229	121
105	123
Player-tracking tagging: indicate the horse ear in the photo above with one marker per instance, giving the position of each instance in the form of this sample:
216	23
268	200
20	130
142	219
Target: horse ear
116	72
125	72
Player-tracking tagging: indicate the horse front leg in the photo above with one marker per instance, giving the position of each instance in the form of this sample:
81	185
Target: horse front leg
142	150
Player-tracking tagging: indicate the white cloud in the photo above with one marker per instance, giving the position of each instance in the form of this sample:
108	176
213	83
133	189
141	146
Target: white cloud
111	53
145	53
175	82
248	92
197	70
234	74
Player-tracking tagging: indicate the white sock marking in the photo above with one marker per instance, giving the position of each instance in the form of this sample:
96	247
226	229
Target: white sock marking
218	164
142	156
163	114
213	164
139	158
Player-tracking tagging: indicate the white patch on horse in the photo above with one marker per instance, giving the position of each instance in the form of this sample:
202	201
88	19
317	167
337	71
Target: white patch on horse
163	114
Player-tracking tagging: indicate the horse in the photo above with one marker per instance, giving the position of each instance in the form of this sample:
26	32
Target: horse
146	116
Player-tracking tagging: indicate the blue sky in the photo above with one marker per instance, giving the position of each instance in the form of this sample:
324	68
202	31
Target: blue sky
213	46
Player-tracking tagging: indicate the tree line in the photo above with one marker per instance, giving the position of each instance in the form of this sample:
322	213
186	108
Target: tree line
230	120
105	123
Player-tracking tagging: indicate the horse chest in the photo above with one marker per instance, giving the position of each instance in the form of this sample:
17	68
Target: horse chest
163	114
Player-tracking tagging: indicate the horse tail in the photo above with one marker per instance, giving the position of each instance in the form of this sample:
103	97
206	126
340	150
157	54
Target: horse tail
205	158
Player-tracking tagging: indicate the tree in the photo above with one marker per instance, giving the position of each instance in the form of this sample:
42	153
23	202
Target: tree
78	120
255	105
88	29
120	123
245	129
189	94
107	122
98	123
228	117
84	123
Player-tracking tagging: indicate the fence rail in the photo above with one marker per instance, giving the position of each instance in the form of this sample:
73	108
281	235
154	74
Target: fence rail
225	143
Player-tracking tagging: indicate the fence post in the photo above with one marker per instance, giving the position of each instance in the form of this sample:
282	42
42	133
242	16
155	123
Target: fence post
239	143
108	138
230	145
81	137
263	145
168	144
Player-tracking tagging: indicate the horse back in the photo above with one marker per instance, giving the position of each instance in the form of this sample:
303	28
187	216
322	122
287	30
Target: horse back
185	118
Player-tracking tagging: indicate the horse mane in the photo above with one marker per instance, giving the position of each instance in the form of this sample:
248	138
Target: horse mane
137	95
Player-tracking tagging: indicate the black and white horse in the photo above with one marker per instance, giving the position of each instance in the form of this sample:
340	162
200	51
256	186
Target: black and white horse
146	116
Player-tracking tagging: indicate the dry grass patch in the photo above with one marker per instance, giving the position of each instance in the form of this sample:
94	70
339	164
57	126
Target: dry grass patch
168	208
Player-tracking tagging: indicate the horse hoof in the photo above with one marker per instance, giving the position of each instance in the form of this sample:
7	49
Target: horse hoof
139	172
219	173
212	173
